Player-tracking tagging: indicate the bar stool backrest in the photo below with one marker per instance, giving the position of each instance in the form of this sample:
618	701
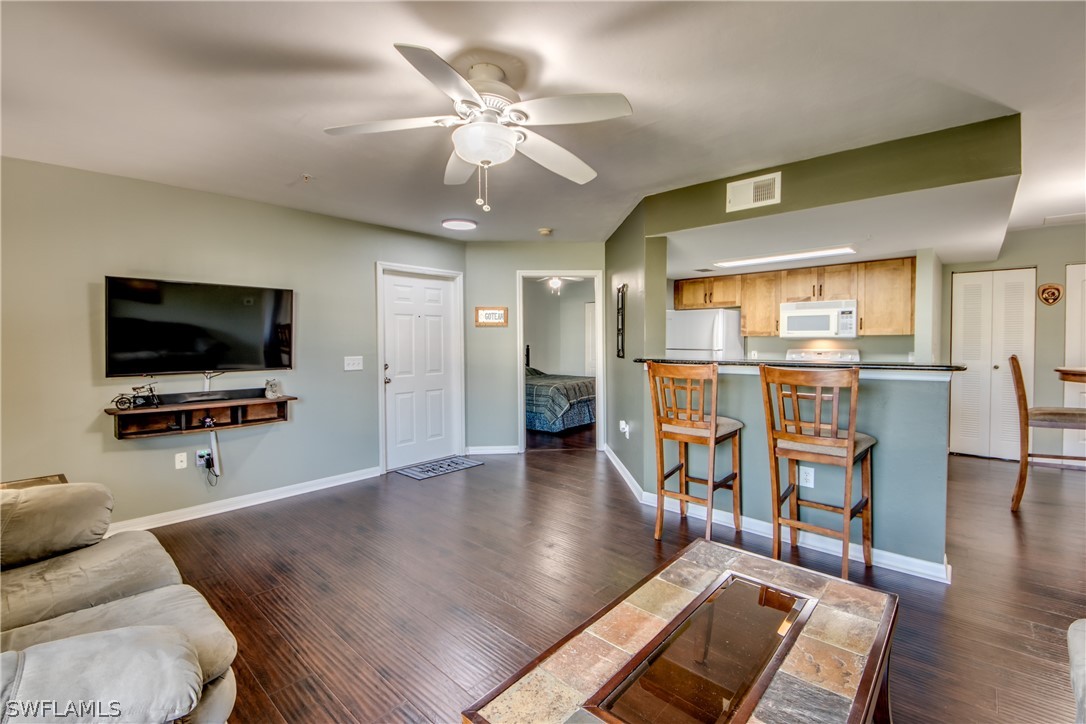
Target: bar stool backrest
803	409
684	396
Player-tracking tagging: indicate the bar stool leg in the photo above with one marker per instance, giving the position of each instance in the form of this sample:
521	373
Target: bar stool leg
846	514
775	489
684	485
709	488
736	491
793	502
865	515
1023	470
659	488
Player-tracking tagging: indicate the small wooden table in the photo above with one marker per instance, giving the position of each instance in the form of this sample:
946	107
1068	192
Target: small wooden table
831	666
1072	374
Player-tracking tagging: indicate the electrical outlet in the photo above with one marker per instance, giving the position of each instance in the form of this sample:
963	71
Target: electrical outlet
806	477
352	364
180	461
203	459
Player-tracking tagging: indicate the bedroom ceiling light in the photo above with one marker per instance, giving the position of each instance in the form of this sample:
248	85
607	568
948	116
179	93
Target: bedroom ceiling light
556	285
795	256
459	224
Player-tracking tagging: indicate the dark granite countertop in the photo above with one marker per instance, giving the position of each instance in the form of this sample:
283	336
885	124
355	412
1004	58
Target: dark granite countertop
908	366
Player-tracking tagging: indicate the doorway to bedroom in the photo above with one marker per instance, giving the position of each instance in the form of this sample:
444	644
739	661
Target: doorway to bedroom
560	335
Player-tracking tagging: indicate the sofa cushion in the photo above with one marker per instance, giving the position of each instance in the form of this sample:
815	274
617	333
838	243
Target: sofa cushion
134	674
123	565
216	702
42	521
180	605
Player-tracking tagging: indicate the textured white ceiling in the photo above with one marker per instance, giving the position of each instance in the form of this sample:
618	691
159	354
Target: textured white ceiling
232	97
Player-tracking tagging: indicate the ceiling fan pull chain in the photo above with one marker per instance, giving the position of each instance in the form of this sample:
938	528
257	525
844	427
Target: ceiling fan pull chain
486	187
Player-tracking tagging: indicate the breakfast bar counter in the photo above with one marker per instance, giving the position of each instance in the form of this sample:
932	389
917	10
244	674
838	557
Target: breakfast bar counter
906	407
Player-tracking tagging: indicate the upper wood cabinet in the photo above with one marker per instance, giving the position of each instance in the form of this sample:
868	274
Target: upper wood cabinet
706	293
823	283
761	304
886	297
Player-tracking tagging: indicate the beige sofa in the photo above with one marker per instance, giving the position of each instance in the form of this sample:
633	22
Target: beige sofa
95	629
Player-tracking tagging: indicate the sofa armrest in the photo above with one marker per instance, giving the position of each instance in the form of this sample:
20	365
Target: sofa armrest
41	521
58	479
138	673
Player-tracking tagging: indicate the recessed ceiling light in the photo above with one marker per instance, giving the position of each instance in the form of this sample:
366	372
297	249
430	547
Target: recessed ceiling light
459	224
812	254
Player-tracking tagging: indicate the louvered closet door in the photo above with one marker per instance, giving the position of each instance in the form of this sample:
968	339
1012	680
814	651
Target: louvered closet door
993	318
971	346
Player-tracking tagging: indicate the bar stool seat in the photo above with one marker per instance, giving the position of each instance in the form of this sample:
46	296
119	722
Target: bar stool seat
800	427
684	411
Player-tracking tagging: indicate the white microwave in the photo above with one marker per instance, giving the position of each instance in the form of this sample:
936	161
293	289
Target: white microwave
819	319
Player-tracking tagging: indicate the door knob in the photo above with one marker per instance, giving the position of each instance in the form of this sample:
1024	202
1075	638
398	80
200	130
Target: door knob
995	367
388	380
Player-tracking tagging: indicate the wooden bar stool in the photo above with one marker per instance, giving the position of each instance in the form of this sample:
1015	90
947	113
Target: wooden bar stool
1067	418
684	410
800	427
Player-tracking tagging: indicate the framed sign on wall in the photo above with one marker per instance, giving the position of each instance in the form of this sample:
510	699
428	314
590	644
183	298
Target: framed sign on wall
621	321
492	316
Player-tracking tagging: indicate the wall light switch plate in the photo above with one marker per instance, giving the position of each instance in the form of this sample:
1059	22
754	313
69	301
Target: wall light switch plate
352	364
806	477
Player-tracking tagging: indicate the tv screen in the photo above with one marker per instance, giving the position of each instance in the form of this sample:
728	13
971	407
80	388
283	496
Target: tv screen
158	327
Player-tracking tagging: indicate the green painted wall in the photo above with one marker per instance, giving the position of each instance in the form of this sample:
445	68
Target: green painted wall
64	230
989	149
1049	250
492	354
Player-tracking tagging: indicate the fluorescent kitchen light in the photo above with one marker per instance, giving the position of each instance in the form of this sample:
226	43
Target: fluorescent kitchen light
795	256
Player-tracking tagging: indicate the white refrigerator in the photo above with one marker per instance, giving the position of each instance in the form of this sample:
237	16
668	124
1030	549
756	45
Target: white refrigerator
704	334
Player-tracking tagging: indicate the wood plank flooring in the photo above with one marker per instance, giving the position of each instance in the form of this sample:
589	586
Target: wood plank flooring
398	600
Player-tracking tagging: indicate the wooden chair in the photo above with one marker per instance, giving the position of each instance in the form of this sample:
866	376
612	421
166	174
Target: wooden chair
1067	418
800	427
684	410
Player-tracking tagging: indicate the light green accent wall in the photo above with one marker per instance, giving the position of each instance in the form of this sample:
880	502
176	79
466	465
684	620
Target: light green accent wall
64	230
542	326
571	314
1049	250
492	354
989	149
928	319
627	389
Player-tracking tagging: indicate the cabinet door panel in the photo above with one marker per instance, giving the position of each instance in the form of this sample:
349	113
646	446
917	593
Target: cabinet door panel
761	304
799	285
886	297
837	282
691	294
724	291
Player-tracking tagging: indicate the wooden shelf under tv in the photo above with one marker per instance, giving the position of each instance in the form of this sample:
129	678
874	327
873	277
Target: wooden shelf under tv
186	417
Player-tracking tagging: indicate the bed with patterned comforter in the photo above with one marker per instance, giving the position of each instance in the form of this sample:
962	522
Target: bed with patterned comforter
554	403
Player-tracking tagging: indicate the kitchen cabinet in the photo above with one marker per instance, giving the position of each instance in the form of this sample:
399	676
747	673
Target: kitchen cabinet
816	284
707	293
886	291
761	297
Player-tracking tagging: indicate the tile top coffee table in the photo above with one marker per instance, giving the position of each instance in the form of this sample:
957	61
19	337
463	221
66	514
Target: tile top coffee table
716	634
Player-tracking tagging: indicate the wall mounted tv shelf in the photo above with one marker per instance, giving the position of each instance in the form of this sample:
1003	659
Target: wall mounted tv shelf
185	413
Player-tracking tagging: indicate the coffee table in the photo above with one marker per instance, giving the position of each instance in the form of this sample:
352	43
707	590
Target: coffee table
715	634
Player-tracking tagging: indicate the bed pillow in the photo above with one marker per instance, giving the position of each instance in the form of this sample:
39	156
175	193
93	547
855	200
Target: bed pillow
533	372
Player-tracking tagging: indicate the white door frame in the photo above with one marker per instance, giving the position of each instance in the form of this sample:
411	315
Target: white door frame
456	345
601	365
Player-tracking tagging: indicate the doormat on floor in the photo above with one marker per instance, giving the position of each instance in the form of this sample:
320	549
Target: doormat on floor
437	467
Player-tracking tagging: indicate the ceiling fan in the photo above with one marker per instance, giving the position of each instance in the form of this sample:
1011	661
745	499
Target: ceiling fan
555	283
491	120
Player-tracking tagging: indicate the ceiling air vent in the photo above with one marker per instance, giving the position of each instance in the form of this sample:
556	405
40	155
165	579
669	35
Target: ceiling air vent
705	270
754	192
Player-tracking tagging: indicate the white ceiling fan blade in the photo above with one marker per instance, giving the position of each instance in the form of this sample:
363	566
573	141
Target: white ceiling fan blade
440	73
553	157
399	124
458	171
583	108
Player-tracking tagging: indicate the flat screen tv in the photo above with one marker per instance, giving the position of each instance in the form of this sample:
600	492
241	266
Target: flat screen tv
159	327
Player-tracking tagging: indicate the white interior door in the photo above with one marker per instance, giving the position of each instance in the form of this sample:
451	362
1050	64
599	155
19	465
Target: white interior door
993	318
971	346
420	383
1074	354
590	339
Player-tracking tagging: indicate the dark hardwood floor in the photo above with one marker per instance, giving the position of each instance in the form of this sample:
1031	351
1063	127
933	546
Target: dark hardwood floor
577	438
397	600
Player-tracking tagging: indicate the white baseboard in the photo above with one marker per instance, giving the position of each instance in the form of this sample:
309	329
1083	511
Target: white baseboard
1057	462
241	501
493	450
884	559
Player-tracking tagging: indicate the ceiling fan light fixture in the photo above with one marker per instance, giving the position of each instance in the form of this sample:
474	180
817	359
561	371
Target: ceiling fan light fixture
485	144
459	224
554	283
